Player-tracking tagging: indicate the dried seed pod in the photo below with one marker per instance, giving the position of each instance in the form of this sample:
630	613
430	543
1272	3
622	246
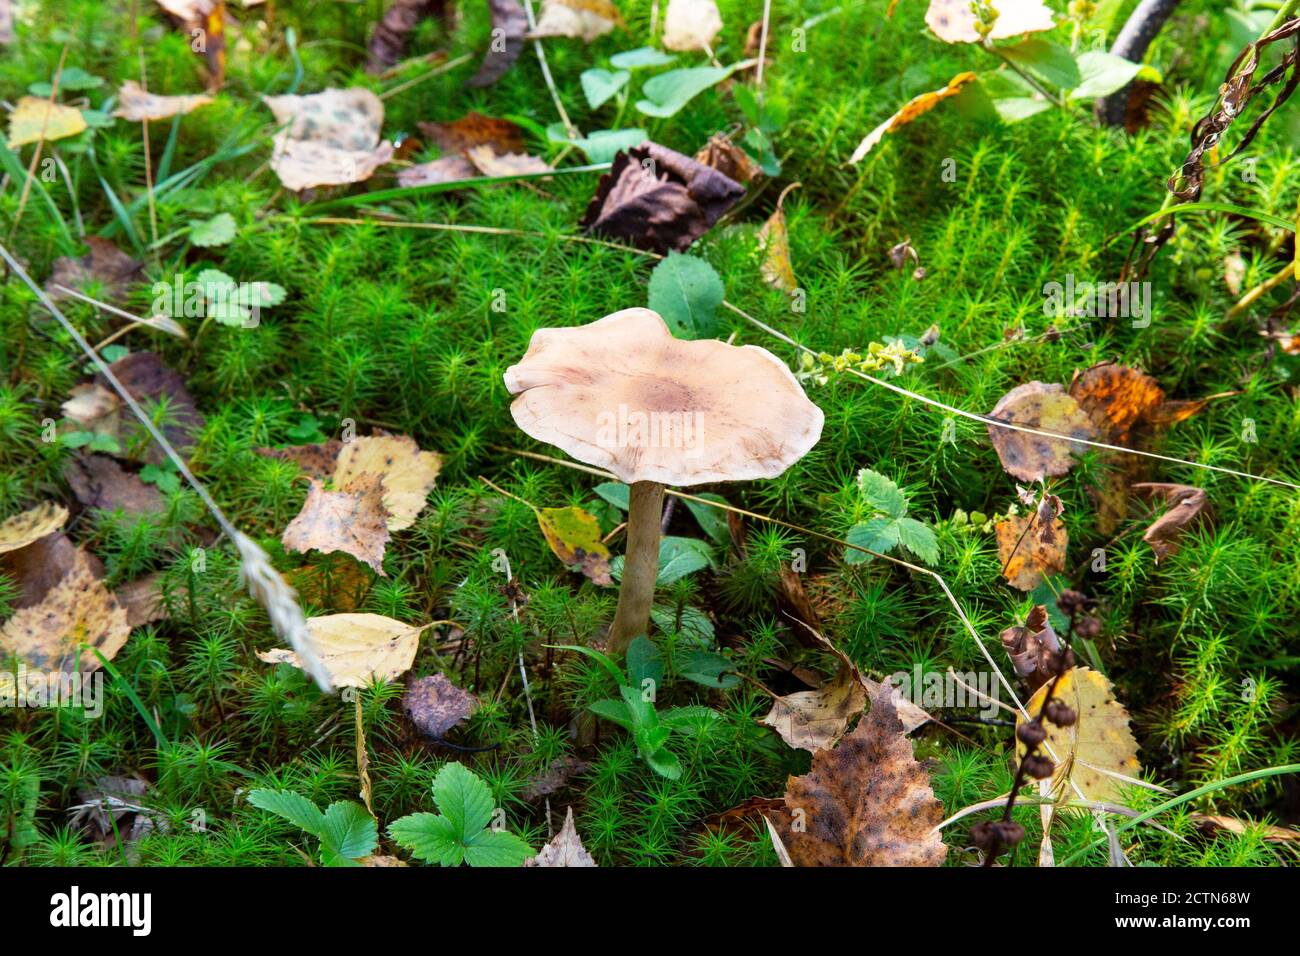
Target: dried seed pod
1040	768
1059	714
1031	734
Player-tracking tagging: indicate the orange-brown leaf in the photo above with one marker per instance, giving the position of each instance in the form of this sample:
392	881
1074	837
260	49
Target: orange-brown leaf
1025	556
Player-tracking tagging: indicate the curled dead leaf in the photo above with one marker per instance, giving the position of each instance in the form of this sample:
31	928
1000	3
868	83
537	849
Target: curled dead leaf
1034	648
1187	506
509	25
136	104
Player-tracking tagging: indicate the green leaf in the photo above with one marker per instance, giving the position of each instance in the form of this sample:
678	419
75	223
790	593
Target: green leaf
349	830
641	57
615	711
679	557
217	231
294	807
693	715
712	521
1051	61
602	145
644	662
600	85
1013	99
918	539
615	492
667	93
687	291
260	294
709	669
664	762
429	837
73	79
878	534
463	798
497	848
690	624
881	493
1103	73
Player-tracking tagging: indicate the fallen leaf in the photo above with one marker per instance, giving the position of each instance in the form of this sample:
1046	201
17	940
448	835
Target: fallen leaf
509	24
555	778
338	584
392	34
565	850
867	802
509	164
406	472
356	648
1026	558
915	107
475	129
774	240
77	610
691	25
953	21
1033	647
445	169
105	266
435	704
31	525
100	482
659	200
1046	407
152	384
35	120
350	521
726	157
587	19
40	565
1187	505
1096	745
316	460
331	138
381	860
143	600
815	719
1210	824
574	537
136	104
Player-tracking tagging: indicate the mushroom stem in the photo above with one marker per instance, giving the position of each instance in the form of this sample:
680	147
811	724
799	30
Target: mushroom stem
640	565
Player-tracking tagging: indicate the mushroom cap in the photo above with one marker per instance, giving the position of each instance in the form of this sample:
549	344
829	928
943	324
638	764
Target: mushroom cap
623	394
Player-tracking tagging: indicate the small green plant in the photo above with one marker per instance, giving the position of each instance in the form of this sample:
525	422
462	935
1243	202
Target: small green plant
346	831
634	710
464	830
890	527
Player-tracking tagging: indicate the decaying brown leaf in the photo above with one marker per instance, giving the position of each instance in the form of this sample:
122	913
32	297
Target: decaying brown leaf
136	104
587	19
726	157
475	129
774	240
1026	558
490	163
143	600
867	802
31	525
331	138
657	199
435	704
315	460
392	34
100	482
38	566
1034	648
1187	505
78	610
913	108
555	778
105	271
357	648
1211	824
565	850
1046	407
352	521
509	25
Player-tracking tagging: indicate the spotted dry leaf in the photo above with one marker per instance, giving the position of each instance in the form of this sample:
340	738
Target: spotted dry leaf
1187	506
351	521
475	129
866	802
135	104
357	648
1046	407
31	525
1097	748
435	704
77	610
1026	558
565	850
915	107
406	473
331	138
953	21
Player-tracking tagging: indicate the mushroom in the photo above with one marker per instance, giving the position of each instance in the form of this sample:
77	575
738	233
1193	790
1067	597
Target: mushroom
624	395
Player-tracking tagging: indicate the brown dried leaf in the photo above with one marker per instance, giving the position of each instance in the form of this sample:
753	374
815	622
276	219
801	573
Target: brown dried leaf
565	850
867	802
555	778
475	129
100	482
143	600
445	169
350	521
31	525
1026	558
316	460
1046	407
1033	648
509	24
1211	824
39	566
774	240
392	34
105	266
1187	505
726	157
77	610
659	200
435	704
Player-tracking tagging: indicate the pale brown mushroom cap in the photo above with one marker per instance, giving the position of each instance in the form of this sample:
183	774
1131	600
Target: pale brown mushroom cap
624	395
